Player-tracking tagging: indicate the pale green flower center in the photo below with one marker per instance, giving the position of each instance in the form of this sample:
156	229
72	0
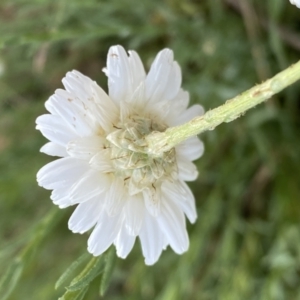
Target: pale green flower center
131	161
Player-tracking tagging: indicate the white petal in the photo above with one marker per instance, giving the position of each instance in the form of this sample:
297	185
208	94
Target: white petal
191	113
160	109
163	85
60	197
86	215
118	73
174	82
104	233
172	223
54	150
55	129
91	184
177	106
295	2
191	148
78	85
138	74
61	173
75	112
189	208
152	239
92	95
124	243
158	76
105	110
102	162
137	103
124	73
134	214
187	170
86	147
115	197
181	194
152	197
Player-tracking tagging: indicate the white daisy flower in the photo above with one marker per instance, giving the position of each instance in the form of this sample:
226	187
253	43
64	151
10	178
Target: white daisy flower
104	167
296	2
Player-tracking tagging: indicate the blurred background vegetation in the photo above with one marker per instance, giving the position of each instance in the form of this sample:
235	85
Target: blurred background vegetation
246	241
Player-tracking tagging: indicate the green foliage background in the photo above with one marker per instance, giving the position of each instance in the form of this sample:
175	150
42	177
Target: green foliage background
246	241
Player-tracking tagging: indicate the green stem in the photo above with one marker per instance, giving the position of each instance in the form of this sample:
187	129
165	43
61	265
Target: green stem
160	142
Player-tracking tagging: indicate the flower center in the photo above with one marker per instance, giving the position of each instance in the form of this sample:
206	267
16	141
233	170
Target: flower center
130	158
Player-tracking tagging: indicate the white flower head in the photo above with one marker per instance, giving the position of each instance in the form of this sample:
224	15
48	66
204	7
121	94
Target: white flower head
296	2
121	190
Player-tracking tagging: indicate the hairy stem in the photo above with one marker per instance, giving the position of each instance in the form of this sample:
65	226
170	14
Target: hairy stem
160	142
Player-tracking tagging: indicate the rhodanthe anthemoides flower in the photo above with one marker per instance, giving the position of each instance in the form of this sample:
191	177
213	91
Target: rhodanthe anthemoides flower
121	190
296	2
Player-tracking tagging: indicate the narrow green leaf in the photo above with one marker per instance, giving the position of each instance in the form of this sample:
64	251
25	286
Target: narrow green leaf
110	260
11	278
70	270
12	246
92	270
74	295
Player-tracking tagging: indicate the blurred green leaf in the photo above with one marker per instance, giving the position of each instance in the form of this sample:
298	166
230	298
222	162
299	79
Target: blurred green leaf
92	270
11	278
80	284
75	295
110	260
69	272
